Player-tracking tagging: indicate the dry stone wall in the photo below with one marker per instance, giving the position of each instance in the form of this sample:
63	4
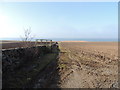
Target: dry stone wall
20	66
14	58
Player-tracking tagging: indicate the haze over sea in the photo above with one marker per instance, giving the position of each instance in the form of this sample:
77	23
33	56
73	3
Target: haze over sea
70	39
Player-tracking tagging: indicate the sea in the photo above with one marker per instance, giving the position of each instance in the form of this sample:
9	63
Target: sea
70	39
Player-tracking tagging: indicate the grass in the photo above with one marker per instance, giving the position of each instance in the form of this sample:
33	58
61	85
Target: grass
64	59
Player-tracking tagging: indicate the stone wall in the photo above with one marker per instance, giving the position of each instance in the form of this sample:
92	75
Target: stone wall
14	58
20	66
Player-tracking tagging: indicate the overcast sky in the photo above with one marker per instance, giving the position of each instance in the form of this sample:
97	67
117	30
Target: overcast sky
59	20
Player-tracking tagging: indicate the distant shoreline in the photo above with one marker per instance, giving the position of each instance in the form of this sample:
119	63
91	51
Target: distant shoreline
17	41
14	44
68	39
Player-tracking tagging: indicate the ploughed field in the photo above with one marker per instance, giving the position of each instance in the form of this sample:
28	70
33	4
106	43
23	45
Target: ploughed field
78	65
88	64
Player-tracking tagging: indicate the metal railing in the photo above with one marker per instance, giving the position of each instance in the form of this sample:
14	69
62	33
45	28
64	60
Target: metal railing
45	42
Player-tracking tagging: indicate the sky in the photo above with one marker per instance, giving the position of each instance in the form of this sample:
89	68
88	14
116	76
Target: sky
59	19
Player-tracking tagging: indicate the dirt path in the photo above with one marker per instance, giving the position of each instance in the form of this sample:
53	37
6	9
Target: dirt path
88	69
82	65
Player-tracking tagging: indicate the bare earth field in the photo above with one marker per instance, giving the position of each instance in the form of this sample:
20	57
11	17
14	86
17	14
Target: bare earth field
88	64
81	64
